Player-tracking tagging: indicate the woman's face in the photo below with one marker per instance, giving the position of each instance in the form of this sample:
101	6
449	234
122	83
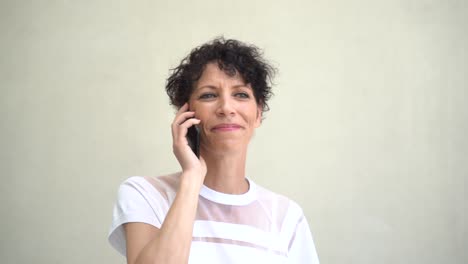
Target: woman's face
227	109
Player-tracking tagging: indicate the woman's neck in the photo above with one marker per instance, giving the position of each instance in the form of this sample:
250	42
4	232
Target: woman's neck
226	172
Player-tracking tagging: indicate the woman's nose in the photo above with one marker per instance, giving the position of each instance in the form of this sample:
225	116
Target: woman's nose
225	107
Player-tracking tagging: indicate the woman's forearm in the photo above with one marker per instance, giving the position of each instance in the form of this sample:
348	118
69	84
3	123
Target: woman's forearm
173	241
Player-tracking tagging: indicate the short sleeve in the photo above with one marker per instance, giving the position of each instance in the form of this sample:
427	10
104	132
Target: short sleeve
137	201
302	249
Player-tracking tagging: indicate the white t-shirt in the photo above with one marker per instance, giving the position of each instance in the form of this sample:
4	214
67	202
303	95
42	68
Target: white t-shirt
255	227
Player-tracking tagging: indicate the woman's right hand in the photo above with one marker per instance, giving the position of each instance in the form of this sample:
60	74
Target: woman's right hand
171	242
184	154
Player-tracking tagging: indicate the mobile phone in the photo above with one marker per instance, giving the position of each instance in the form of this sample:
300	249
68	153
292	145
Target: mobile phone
193	138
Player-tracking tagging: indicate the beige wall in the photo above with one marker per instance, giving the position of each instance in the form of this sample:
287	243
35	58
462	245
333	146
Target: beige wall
367	130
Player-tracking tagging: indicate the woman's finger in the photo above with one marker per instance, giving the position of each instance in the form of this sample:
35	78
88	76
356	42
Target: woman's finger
183	108
182	128
180	118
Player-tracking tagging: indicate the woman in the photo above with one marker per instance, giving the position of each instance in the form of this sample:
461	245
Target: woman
210	212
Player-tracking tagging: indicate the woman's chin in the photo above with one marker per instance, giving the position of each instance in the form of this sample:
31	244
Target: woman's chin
227	146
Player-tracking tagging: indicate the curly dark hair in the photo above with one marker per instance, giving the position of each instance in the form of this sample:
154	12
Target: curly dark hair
232	57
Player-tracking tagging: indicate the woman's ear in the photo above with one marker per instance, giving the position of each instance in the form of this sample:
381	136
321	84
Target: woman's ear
258	121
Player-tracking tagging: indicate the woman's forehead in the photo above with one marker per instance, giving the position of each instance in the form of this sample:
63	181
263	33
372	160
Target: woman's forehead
213	73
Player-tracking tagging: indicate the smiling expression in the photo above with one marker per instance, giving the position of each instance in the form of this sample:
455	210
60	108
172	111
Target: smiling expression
227	109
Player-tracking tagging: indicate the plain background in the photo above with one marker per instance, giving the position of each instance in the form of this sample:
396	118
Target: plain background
367	131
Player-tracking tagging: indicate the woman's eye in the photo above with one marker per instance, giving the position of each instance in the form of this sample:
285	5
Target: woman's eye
243	95
207	96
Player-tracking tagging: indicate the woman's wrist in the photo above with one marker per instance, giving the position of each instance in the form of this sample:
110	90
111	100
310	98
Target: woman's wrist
191	179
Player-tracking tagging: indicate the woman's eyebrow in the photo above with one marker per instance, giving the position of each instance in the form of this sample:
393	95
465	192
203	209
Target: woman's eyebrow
244	86
206	86
213	87
240	86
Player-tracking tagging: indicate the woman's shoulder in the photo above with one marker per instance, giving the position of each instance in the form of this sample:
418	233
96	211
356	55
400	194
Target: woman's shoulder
166	185
167	179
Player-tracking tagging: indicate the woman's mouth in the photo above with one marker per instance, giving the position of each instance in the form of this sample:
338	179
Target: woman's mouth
226	127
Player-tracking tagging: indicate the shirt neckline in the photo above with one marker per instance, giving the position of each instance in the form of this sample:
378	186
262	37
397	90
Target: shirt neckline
230	199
